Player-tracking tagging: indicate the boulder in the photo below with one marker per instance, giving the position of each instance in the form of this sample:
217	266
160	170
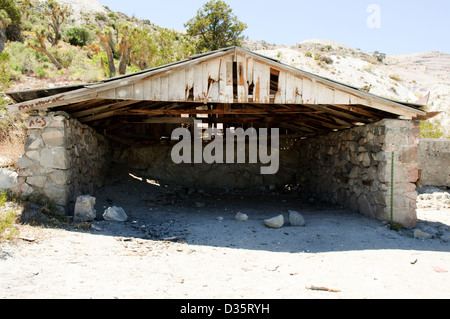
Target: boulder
84	209
8	179
115	214
275	222
296	219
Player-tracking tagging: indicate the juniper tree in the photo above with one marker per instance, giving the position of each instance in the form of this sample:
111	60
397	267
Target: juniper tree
216	26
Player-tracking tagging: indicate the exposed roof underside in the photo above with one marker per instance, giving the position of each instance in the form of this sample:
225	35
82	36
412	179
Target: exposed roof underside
232	86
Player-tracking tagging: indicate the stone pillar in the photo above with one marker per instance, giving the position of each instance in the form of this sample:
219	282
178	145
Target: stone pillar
63	159
402	137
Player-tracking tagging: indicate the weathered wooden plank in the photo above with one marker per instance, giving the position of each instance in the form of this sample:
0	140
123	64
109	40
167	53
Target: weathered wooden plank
261	76
213	76
341	97
308	92
156	88
108	94
138	91
290	96
198	83
104	108
325	95
148	90
229	72
250	80
226	80
164	89
223	110
112	109
294	89
298	91
242	79
125	92
189	85
177	85
165	120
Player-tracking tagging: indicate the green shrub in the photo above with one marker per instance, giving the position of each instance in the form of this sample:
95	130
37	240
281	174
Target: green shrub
65	55
113	16
379	56
429	129
24	59
78	36
40	72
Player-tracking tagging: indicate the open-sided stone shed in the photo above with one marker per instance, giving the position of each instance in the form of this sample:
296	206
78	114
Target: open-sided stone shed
337	141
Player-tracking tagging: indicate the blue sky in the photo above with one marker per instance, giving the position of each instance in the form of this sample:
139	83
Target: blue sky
401	27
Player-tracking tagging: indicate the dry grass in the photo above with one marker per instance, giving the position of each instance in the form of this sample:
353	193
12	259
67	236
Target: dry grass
11	148
12	140
9	215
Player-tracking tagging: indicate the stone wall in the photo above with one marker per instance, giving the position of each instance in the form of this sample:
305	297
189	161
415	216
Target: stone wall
352	168
434	162
63	159
155	162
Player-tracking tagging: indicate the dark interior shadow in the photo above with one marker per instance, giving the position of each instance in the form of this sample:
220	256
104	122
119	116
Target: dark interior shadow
162	212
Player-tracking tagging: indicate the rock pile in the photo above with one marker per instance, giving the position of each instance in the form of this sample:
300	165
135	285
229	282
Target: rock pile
295	219
433	198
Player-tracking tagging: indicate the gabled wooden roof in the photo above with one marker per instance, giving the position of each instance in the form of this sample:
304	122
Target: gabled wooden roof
230	86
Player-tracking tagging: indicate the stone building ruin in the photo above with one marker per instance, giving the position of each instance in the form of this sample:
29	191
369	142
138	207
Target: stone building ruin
337	141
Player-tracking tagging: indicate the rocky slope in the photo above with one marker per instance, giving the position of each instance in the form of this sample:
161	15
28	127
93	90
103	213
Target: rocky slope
79	7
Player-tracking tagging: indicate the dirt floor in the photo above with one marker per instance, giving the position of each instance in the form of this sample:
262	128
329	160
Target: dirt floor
180	243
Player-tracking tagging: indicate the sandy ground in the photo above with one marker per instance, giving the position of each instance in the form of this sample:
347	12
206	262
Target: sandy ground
215	256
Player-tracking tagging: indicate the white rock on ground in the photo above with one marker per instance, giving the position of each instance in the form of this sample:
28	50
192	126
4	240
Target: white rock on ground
241	217
116	214
84	209
8	178
275	222
296	219
418	234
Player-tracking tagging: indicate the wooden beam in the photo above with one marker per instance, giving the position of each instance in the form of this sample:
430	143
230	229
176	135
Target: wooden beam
361	110
45	103
164	120
100	109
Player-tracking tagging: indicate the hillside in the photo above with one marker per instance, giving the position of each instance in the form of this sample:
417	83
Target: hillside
79	7
399	77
